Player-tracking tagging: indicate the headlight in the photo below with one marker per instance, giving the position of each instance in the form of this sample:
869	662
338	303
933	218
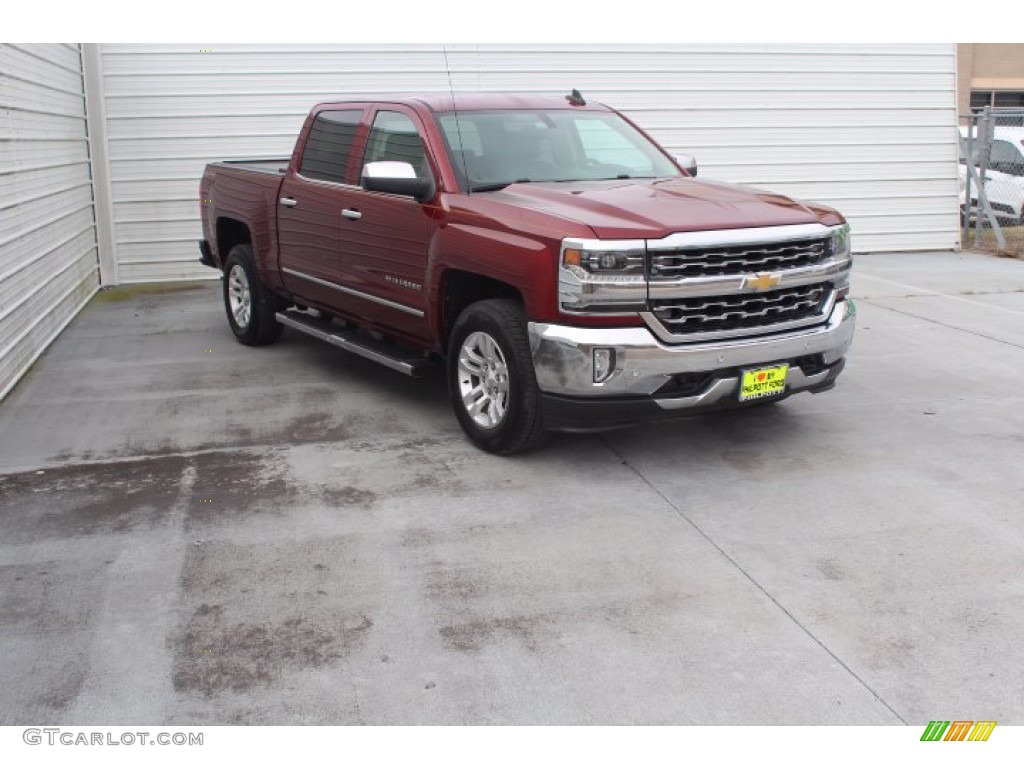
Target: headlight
839	248
602	275
839	244
624	262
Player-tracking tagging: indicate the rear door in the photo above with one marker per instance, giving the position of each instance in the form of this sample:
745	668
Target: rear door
311	202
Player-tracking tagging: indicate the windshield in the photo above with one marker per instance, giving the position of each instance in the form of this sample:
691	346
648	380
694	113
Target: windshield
491	149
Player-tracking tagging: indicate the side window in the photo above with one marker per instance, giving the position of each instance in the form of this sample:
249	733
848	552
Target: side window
605	145
394	137
1007	158
329	145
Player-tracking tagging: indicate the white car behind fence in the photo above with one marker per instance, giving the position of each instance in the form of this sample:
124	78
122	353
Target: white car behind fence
1004	175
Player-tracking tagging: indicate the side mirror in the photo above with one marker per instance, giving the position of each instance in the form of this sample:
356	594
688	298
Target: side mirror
688	163
397	178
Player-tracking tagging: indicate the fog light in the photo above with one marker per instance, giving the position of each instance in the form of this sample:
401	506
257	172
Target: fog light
604	363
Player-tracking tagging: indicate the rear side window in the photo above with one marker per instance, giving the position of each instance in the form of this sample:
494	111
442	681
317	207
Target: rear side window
329	145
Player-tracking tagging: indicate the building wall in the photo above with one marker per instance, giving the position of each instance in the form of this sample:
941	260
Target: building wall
48	254
866	128
988	67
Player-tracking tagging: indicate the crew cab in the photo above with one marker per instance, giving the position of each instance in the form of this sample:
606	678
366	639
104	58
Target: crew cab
566	270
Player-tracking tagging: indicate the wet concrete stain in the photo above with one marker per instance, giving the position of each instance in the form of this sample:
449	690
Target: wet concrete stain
433	471
412	445
480	604
234	434
348	496
47	608
419	537
472	636
831	569
430	482
88	499
452	585
424	538
68	680
254	614
47	597
744	460
212	655
317	427
230	485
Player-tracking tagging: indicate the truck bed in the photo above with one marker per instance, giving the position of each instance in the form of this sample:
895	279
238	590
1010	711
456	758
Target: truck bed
243	191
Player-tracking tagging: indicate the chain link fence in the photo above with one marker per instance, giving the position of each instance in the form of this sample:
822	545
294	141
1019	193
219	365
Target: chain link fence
992	183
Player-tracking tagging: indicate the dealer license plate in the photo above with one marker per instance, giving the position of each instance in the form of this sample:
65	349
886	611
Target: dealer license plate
763	382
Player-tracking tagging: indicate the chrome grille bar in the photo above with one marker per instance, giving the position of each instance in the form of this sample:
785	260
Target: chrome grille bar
738	314
735	260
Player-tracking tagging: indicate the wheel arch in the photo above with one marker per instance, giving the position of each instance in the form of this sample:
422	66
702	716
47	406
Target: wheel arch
231	232
459	289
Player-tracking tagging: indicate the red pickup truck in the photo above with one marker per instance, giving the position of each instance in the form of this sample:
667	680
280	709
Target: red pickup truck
568	271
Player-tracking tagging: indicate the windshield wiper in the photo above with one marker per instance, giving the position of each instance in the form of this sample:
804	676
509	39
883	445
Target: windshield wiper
496	186
605	178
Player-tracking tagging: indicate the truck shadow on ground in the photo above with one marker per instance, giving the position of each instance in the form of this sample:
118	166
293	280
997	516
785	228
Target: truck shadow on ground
425	401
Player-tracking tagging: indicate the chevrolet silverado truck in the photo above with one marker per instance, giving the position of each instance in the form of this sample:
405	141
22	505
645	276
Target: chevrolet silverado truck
568	272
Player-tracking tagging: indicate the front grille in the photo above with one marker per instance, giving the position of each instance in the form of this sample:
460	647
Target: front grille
735	259
740	312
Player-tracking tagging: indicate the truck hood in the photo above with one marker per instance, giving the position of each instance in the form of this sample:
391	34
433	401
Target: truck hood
653	208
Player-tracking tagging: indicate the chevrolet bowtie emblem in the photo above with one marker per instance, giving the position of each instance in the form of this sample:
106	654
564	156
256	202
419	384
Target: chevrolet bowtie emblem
762	281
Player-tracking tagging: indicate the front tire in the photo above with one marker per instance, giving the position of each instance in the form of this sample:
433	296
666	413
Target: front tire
250	307
491	379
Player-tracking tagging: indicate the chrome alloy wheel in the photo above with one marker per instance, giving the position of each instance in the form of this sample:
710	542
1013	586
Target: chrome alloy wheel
483	380
239	296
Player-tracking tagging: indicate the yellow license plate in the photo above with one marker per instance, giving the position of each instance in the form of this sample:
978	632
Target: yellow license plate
763	382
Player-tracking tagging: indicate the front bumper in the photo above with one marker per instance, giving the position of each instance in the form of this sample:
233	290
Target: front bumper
641	385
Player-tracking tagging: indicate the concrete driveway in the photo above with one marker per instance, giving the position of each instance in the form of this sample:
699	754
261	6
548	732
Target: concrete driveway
195	532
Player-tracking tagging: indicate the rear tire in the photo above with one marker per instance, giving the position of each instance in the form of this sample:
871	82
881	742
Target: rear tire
250	307
491	379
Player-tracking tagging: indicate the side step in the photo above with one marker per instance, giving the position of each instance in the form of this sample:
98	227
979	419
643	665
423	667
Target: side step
395	357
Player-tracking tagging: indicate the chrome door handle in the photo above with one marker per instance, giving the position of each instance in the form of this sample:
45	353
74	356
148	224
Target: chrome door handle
288	202
351	213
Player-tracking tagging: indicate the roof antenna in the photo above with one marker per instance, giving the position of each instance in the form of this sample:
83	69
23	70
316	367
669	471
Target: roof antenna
458	123
576	99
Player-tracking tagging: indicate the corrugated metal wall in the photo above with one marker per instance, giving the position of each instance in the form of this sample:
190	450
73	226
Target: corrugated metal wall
48	259
867	128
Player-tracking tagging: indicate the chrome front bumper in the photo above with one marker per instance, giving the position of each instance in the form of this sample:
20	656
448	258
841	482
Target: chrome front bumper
563	360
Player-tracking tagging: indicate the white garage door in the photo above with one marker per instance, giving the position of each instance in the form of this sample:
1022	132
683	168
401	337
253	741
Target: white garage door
868	129
48	260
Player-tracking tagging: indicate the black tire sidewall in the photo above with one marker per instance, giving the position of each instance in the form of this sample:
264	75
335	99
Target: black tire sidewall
262	324
242	258
481	317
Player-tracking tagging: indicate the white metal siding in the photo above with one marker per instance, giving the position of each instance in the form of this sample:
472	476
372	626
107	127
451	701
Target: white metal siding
869	129
48	263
